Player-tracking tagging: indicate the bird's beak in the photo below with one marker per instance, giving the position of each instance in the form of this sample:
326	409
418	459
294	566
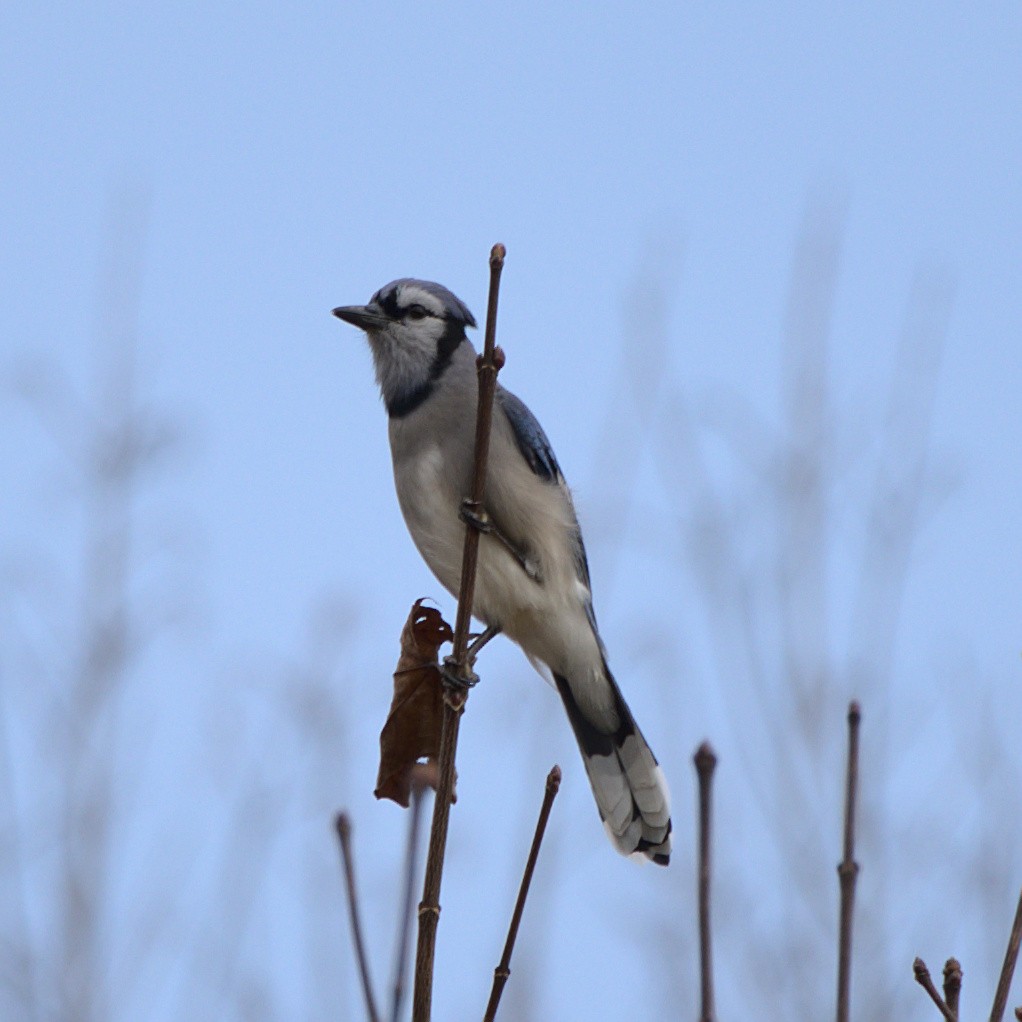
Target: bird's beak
365	317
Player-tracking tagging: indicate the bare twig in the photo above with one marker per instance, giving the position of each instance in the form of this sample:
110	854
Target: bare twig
488	365
503	971
706	762
952	984
848	870
405	921
1008	969
458	664
922	975
342	824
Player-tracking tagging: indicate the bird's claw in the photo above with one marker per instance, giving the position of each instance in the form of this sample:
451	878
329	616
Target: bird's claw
476	517
480	640
458	676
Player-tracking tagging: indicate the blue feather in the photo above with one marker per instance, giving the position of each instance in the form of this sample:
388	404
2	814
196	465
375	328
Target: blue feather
529	435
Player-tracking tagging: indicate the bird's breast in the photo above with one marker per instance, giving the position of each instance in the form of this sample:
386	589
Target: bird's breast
429	501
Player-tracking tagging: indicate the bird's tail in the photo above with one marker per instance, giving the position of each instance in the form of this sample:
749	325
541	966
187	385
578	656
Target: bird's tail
628	784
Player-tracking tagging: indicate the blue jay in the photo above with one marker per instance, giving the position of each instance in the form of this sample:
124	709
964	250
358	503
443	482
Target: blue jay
532	580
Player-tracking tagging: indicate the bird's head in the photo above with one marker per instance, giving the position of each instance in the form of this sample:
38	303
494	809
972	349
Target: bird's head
413	327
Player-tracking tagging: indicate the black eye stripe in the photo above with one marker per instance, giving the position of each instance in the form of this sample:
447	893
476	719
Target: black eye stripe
438	302
388	302
414	311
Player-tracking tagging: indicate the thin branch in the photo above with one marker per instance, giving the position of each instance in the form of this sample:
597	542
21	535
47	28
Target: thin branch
503	970
952	984
458	674
342	823
848	870
1008	969
706	762
922	976
405	921
488	365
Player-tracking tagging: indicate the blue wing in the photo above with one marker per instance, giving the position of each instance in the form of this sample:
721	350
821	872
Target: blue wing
529	435
539	455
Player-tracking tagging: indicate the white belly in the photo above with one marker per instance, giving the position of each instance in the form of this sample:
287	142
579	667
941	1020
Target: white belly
547	618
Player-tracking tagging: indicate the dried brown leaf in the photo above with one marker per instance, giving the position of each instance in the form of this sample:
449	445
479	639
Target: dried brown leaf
412	730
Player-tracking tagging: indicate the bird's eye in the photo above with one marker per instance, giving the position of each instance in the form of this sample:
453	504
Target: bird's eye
417	312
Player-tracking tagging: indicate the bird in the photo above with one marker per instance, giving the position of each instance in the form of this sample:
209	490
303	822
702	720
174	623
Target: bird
532	577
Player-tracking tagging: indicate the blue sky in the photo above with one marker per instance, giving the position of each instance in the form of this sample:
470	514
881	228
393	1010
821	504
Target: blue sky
271	163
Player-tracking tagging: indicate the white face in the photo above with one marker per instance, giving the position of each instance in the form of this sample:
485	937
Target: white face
414	343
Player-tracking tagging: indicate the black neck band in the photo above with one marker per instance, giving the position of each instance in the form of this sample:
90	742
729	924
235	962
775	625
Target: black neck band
409	401
448	344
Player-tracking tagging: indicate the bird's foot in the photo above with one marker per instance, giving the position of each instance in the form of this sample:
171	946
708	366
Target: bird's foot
475	516
480	640
458	676
472	514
